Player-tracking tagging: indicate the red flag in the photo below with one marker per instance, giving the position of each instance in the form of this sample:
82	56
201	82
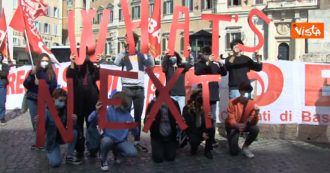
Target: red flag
27	11
154	30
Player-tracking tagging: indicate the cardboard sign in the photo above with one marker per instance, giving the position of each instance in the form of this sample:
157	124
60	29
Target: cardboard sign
44	98
103	124
255	30
216	18
192	79
175	26
129	26
164	97
87	36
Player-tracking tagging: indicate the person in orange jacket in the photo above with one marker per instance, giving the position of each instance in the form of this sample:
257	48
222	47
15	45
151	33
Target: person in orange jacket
242	117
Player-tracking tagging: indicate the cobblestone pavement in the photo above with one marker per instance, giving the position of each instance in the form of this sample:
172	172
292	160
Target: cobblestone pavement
272	156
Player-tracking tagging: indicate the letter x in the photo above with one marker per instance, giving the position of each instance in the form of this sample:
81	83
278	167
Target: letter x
164	97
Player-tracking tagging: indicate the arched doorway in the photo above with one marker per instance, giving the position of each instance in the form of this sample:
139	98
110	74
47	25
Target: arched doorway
283	51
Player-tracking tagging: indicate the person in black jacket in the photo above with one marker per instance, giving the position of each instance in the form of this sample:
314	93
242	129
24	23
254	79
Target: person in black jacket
207	65
169	66
42	70
238	65
86	95
193	114
4	70
162	133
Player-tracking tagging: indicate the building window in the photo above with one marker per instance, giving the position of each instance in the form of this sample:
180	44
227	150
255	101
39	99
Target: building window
111	17
99	17
15	3
56	12
24	42
168	7
230	37
55	29
46	28
49	11
69	2
15	41
182	44
151	9
188	3
121	17
259	2
234	2
55	44
164	44
38	25
283	51
207	4
136	12
47	43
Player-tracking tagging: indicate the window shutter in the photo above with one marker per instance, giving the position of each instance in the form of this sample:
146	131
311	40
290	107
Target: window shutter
228	41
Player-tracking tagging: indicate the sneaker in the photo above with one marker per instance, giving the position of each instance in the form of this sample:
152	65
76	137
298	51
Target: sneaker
208	155
34	147
140	148
3	122
104	166
72	160
80	155
246	151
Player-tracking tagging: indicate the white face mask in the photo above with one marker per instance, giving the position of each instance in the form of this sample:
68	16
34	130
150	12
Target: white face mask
246	96
44	64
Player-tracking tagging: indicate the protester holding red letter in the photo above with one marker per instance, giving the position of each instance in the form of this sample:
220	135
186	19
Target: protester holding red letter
134	88
207	65
42	70
193	114
162	133
242	117
114	139
53	138
238	65
86	95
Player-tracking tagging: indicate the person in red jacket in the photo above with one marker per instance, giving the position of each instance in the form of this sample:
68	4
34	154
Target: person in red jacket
242	117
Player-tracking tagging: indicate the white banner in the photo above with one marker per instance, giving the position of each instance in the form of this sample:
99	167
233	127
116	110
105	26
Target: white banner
287	92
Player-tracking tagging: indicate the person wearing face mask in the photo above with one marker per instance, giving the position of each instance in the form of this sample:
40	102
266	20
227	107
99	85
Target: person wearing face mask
53	137
4	70
42	70
86	94
242	117
238	65
208	65
178	92
114	139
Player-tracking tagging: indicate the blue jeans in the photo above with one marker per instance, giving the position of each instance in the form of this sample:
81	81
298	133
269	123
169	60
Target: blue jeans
124	149
233	93
54	156
214	111
32	105
3	94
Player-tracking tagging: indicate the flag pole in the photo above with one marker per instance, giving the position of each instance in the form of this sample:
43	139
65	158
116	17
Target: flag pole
3	39
28	44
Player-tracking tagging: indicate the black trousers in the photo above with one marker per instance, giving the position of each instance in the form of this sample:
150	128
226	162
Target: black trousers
233	135
163	150
196	139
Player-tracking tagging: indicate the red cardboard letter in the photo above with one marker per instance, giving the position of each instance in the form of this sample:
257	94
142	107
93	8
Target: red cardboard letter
255	30
87	38
192	79
44	98
164	97
215	30
103	124
132	25
175	26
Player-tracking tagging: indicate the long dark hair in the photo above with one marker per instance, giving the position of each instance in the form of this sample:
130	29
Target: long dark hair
195	102
50	71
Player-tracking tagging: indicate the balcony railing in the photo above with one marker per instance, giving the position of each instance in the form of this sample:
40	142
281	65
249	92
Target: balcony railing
291	3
